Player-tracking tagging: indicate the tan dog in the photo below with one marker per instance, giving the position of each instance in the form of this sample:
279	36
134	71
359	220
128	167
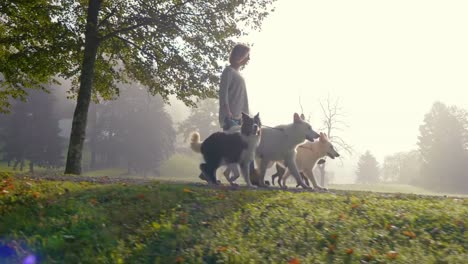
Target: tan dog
307	156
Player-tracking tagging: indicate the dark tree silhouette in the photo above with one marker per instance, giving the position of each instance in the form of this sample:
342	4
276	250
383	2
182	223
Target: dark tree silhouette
32	133
133	131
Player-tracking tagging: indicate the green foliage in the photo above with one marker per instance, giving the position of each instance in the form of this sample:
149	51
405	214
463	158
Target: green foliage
159	223
170	47
203	119
368	169
34	46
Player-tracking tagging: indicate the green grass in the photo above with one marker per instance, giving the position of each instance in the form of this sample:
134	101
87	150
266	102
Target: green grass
5	168
389	188
63	222
178	167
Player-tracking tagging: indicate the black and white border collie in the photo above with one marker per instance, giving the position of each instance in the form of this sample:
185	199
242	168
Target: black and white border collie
223	148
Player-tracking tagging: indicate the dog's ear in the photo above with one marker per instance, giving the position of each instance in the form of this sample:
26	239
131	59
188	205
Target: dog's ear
297	119
322	136
257	119
244	115
302	116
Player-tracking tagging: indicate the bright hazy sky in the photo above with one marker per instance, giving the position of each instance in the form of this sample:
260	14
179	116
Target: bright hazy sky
386	61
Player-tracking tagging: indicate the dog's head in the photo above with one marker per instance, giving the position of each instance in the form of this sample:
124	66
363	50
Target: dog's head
328	146
305	127
251	126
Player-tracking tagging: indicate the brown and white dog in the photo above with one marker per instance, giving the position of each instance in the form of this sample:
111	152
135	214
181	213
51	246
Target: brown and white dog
307	156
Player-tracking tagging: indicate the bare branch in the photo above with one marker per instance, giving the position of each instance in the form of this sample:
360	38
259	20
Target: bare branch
108	16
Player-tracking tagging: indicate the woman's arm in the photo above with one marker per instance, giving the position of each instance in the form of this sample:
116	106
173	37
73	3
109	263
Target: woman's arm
226	79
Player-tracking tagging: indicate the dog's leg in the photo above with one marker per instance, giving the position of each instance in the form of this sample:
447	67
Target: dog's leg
279	173
227	172
245	169
273	177
263	164
209	169
235	170
291	164
306	181
202	175
304	178
311	176
207	172
284	178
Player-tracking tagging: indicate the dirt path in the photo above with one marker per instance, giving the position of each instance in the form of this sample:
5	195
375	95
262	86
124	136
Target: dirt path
133	180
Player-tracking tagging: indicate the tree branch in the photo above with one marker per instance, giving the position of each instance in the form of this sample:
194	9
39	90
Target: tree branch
146	21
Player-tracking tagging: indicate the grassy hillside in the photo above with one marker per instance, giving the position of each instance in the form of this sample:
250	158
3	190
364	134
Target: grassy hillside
71	222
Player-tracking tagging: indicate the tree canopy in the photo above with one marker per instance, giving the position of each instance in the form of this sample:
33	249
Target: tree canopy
203	119
172	47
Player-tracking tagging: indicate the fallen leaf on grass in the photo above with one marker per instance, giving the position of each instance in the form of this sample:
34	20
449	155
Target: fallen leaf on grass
294	261
409	234
392	254
221	248
342	216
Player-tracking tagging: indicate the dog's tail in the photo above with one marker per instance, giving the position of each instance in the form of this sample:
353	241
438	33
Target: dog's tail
195	143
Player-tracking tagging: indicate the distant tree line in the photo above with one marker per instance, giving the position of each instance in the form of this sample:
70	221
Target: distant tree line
440	163
133	132
31	133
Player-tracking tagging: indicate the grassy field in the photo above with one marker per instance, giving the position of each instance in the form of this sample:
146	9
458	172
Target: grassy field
184	168
177	168
65	222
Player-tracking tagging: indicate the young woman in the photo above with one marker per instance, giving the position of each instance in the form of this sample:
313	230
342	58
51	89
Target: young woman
233	98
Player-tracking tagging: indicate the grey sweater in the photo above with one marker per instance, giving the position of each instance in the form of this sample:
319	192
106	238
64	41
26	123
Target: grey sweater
233	93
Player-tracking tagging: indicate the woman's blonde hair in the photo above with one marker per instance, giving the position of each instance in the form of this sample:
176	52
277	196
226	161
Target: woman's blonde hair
238	53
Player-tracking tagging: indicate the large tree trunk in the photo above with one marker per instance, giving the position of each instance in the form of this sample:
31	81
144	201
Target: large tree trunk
31	167
78	131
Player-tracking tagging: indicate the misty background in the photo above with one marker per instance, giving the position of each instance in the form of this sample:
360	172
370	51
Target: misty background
391	76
